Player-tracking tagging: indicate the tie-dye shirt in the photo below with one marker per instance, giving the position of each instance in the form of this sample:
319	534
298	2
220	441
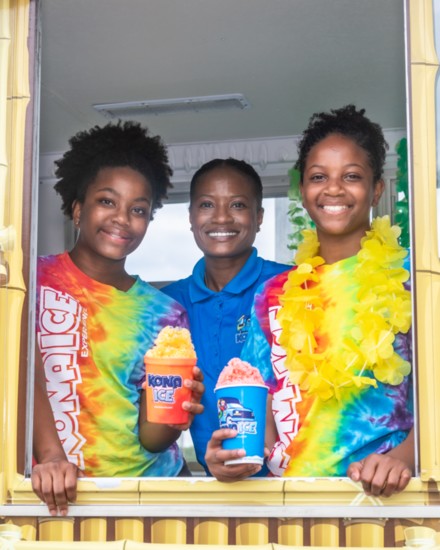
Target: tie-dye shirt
317	437
92	339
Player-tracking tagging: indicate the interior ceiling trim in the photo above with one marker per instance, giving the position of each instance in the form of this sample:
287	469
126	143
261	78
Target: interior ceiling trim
271	157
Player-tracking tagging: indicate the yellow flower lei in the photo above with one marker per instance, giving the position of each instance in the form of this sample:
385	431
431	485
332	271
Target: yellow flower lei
383	309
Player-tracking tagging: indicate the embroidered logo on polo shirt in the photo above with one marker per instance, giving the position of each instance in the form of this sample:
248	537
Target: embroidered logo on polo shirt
243	324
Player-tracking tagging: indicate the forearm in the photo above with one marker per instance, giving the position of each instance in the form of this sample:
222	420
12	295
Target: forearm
405	451
271	429
54	478
157	437
46	443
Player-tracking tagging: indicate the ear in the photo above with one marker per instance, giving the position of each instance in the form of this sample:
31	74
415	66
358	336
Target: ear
260	216
76	212
379	188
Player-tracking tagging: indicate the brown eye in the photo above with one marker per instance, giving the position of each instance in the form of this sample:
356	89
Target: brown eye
139	211
106	202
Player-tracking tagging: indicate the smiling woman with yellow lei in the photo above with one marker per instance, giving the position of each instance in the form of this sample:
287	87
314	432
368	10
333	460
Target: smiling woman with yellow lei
331	336
339	323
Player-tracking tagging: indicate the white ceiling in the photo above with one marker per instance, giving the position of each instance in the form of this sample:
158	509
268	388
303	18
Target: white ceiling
289	58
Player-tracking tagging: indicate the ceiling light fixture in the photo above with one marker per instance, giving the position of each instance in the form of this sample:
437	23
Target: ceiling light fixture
176	105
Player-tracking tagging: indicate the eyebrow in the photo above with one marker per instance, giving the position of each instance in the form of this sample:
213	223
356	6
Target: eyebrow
113	192
206	195
345	165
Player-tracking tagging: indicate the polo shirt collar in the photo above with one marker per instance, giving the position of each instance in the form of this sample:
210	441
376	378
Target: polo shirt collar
249	273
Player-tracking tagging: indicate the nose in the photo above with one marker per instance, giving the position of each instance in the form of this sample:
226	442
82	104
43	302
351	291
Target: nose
222	214
120	216
334	185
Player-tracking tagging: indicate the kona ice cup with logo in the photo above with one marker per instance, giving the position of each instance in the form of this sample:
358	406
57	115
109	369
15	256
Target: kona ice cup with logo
167	364
241	403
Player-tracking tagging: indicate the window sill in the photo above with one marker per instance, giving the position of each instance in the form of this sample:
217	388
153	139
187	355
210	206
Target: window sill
206	497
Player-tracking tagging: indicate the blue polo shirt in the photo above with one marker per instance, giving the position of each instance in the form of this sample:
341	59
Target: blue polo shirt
219	323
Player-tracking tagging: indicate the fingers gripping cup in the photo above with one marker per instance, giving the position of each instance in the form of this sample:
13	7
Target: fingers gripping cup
167	364
241	403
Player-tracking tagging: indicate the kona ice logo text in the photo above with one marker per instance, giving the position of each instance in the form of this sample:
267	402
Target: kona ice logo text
164	386
247	428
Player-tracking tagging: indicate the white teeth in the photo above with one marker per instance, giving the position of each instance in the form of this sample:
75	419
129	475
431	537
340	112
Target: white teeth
222	234
334	208
116	236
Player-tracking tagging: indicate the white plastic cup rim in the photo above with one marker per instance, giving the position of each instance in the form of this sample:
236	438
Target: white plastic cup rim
240	385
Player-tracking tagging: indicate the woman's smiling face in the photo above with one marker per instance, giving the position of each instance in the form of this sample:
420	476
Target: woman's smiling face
338	187
224	213
115	214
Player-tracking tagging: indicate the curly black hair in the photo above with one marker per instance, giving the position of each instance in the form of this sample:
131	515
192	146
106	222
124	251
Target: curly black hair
351	123
239	165
113	145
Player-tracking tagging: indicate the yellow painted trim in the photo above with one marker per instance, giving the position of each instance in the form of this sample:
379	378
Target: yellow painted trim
5	41
63	545
129	528
28	527
360	533
13	104
11	303
421	30
115	492
325	532
428	315
18	101
290	531
423	72
210	493
190	491
58	529
168	530
343	492
424	166
211	531
252	531
129	545
93	529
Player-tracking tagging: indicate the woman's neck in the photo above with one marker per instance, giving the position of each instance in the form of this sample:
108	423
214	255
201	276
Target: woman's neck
107	272
334	248
220	271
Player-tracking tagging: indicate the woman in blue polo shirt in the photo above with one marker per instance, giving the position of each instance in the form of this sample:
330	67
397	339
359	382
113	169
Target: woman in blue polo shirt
225	215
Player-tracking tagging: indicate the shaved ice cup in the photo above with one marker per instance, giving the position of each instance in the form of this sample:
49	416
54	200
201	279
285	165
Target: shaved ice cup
164	388
243	408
